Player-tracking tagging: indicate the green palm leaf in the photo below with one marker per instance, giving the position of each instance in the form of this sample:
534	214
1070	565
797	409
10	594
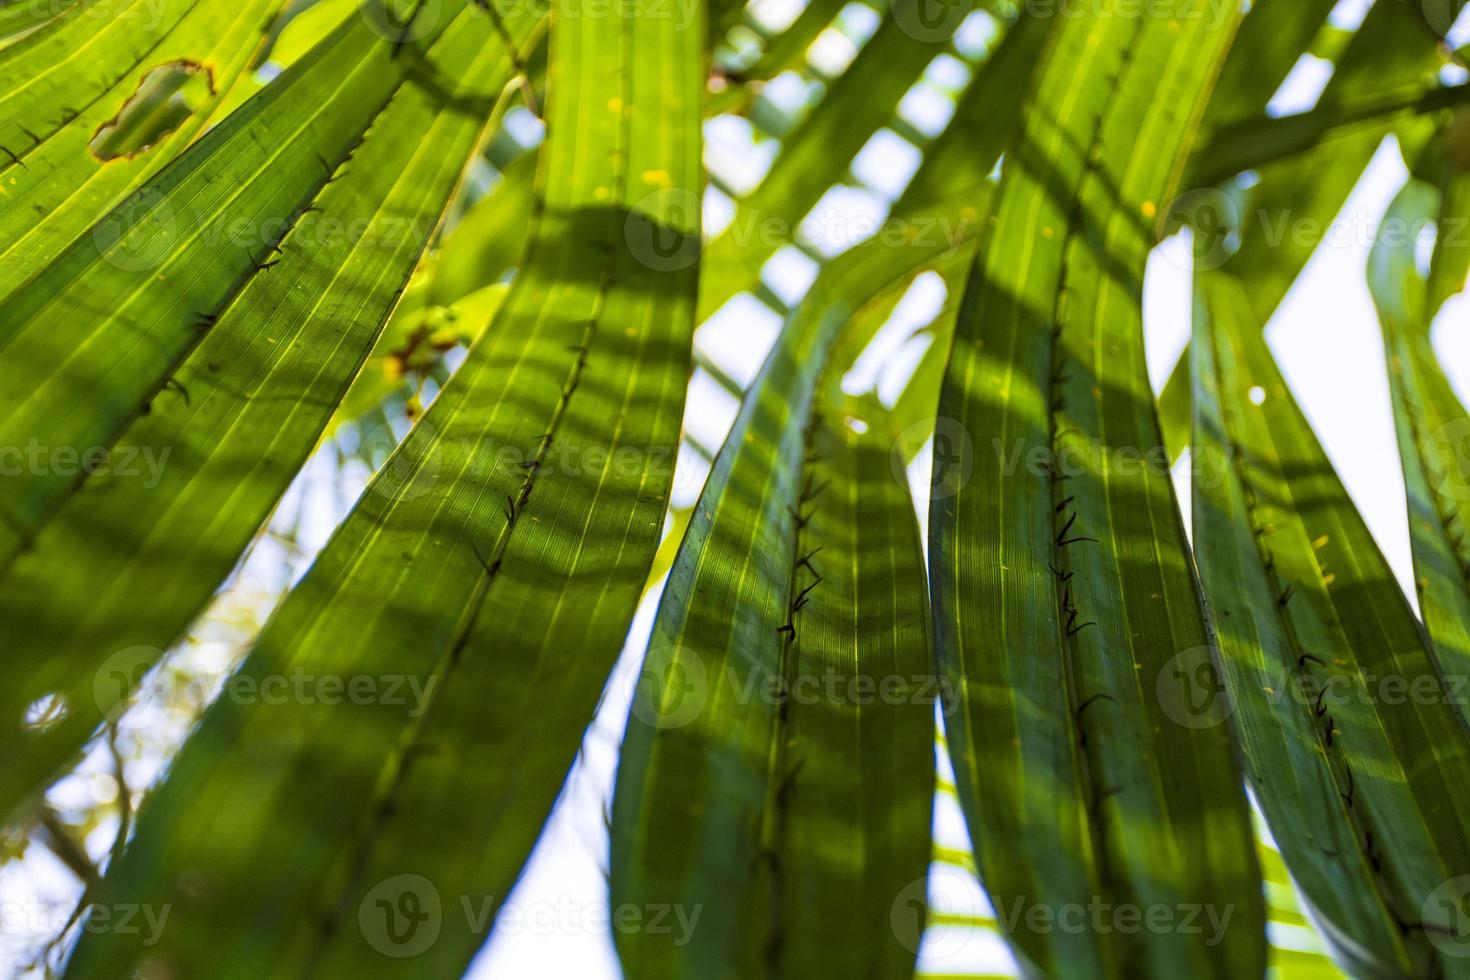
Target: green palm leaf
496	561
1062	580
820	151
1267	47
20	17
1355	748
745	543
122	306
1298	197
1258	142
59	85
740	791
1432	424
125	561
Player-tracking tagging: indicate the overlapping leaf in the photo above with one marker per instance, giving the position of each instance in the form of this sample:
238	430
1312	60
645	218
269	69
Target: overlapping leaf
1292	208
122	565
1063	586
62	83
819	152
750	610
1433	428
746	787
87	343
488	575
1355	747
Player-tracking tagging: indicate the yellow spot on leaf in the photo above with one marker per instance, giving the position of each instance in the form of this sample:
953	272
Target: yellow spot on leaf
615	104
1150	209
1047	232
1320	543
1329	578
656	178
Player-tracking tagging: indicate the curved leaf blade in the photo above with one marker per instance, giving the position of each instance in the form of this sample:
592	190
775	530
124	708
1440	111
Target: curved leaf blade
1299	197
78	72
820	151
116	313
722	797
1062	579
1365	789
127	561
473	571
1433	426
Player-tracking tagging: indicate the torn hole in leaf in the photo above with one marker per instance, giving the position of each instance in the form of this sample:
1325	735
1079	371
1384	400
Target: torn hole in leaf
167	96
